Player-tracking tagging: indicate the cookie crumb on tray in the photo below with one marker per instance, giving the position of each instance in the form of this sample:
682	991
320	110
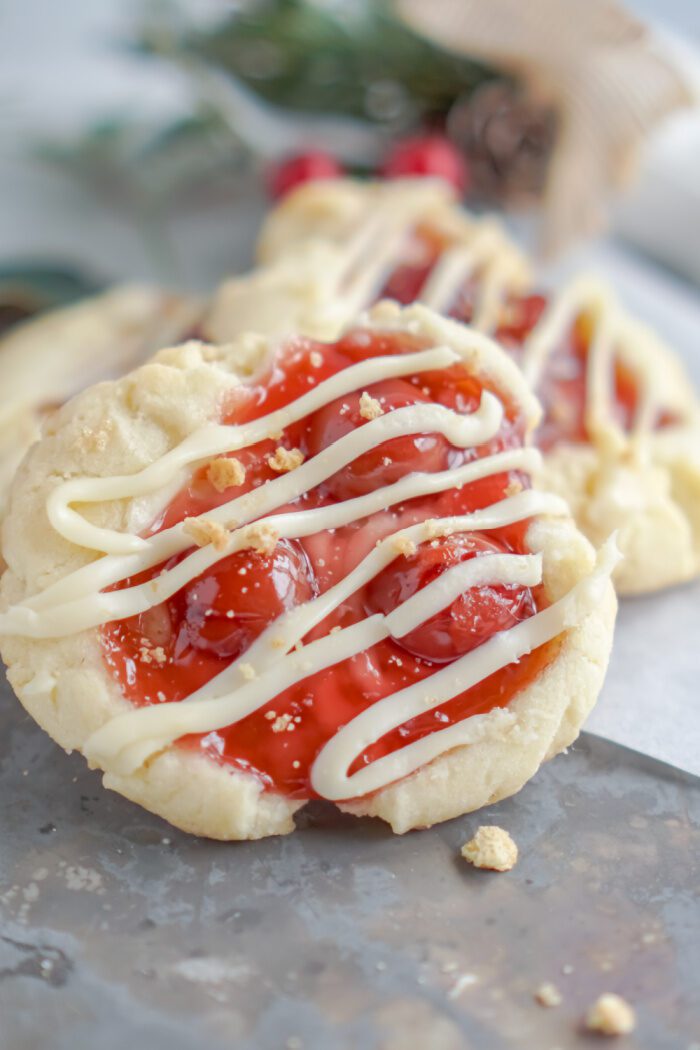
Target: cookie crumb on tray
492	848
611	1015
548	995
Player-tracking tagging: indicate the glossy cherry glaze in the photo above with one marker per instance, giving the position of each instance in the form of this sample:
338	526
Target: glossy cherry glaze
169	652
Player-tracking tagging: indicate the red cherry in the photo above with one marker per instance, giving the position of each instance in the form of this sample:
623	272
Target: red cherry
431	155
303	167
226	610
520	317
470	620
388	462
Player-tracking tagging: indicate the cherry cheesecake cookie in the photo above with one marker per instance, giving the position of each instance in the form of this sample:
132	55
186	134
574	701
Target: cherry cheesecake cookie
621	426
250	575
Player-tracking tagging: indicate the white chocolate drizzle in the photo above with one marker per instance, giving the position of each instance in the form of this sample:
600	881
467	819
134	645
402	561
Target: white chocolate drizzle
271	664
214	440
329	774
477	253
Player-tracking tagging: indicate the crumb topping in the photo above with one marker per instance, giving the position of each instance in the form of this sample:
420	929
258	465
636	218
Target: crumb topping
316	359
152	654
282	724
611	1015
370	407
285	459
434	529
548	995
492	847
204	531
248	672
403	545
225	473
261	536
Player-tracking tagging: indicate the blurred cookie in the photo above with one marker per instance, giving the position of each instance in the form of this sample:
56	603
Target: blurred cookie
46	360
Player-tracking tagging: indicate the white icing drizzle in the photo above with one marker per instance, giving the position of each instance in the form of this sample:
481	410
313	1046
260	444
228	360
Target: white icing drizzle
523	569
375	251
329	773
79	602
447	277
486	256
387	235
478	249
207	710
268	649
614	334
62	612
213	440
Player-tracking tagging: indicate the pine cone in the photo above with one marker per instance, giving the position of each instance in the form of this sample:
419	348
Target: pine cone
508	138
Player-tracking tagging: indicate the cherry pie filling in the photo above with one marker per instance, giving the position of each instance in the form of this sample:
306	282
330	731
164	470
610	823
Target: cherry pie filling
167	653
562	390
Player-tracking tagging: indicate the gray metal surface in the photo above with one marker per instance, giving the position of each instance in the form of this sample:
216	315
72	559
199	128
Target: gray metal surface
118	931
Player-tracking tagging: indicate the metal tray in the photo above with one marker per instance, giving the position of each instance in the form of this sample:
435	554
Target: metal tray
117	930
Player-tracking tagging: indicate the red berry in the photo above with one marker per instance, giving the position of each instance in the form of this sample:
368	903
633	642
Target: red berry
388	462
471	619
226	609
427	155
520	317
303	167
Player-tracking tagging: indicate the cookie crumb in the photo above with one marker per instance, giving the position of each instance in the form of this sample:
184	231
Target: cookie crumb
204	531
491	848
282	723
431	528
261	536
513	488
403	545
285	459
316	359
149	654
248	672
611	1015
225	473
370	407
548	995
